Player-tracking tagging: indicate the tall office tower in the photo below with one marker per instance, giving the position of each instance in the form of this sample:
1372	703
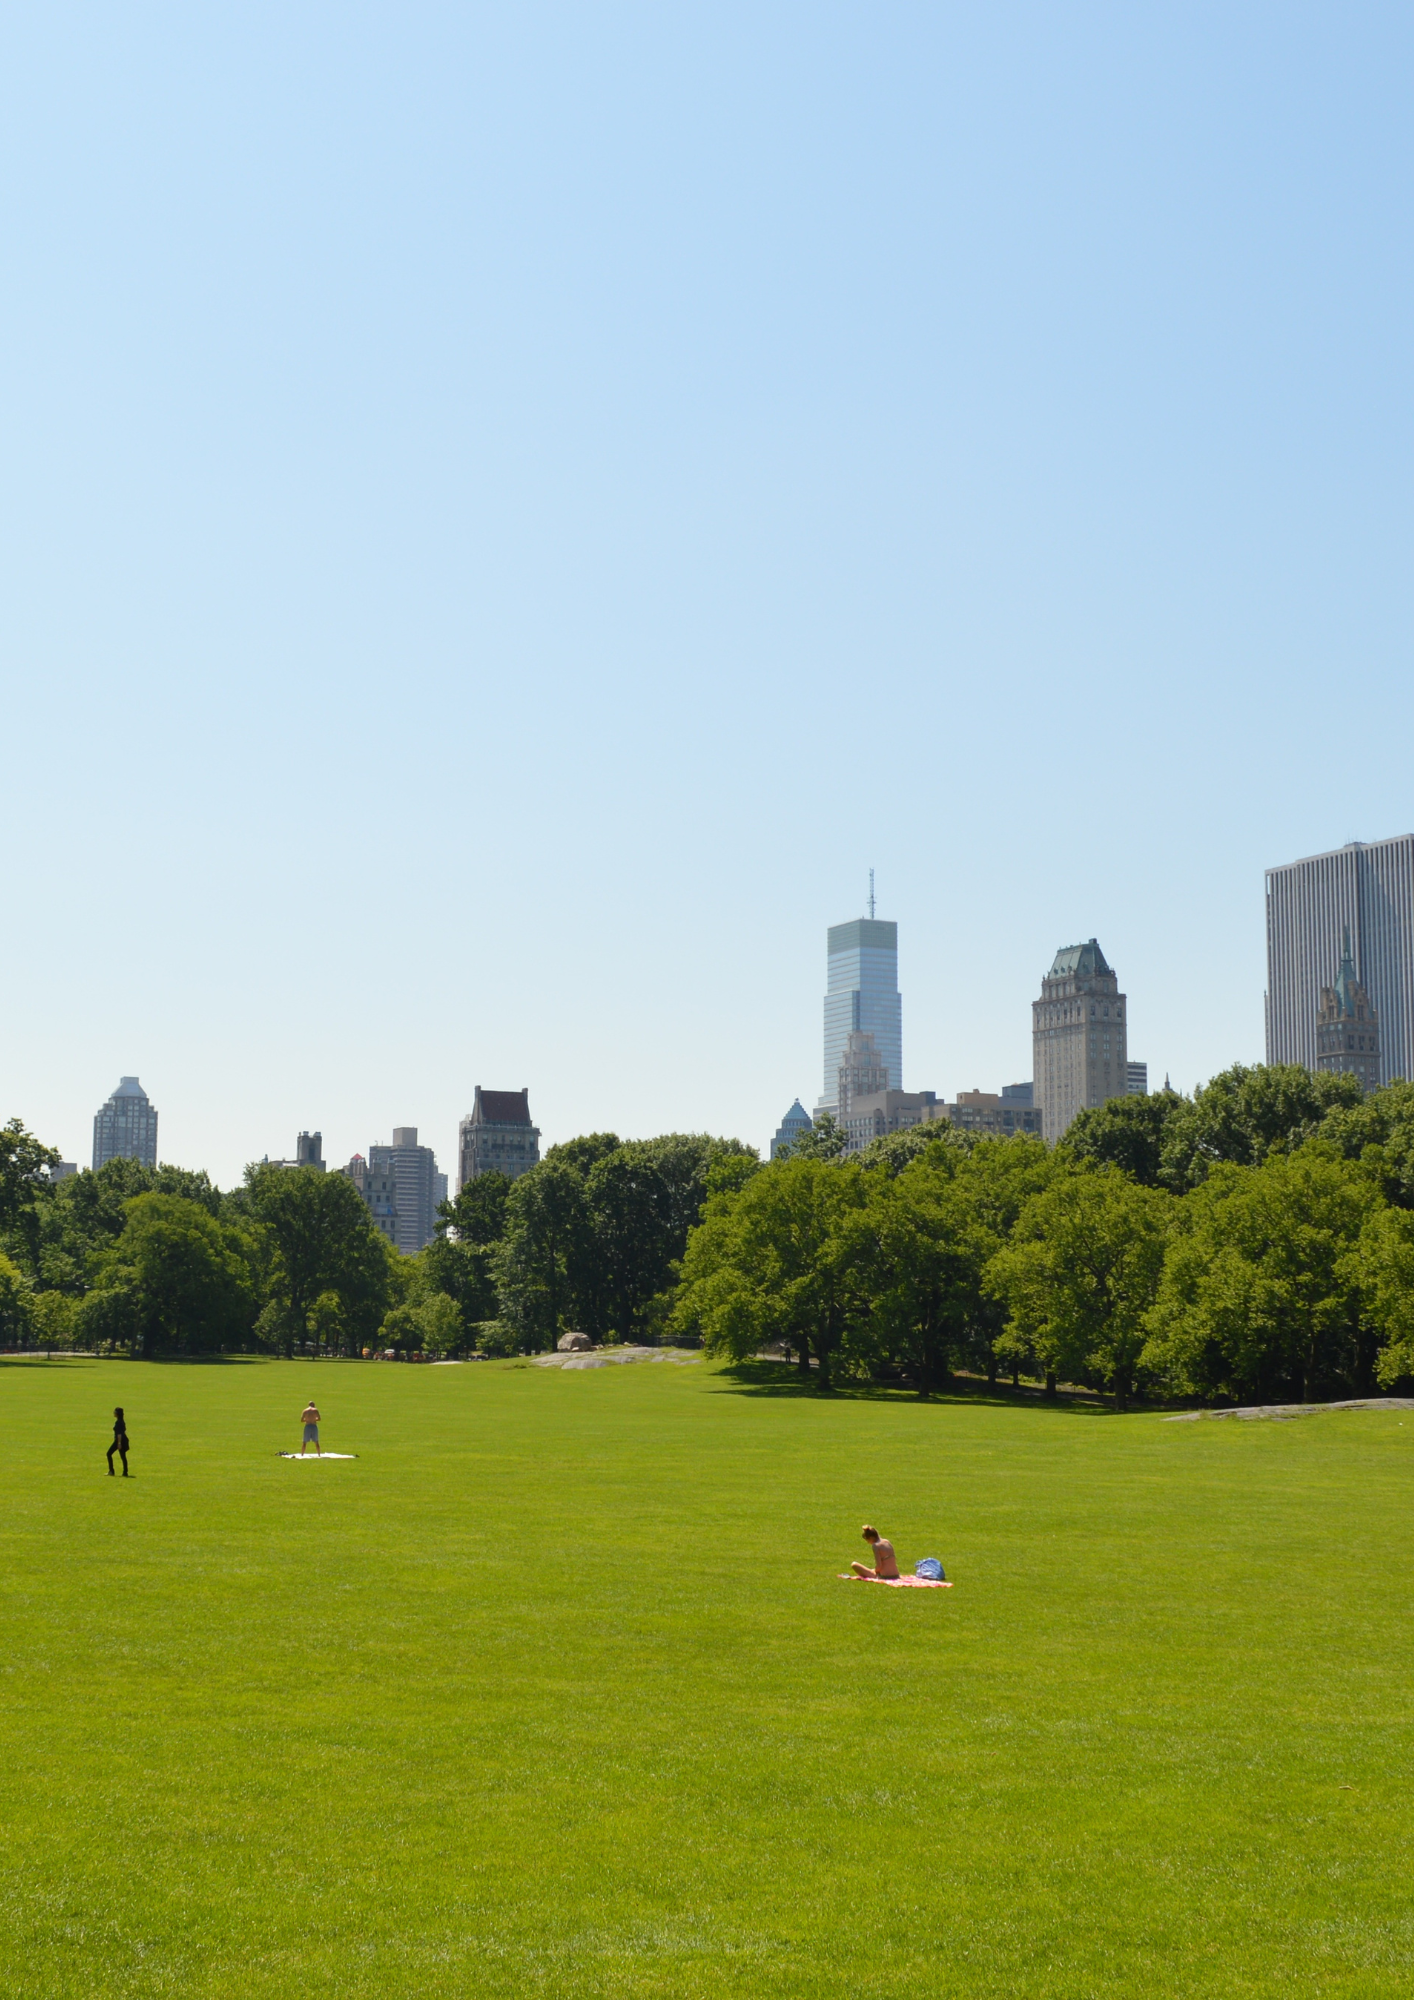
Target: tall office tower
414	1172
862	996
1370	889
1348	1029
1136	1082
862	1072
1078	1034
793	1126
126	1127
379	1189
497	1137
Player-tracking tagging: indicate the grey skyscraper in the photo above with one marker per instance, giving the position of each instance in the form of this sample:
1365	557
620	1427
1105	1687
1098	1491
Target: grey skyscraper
418	1187
126	1127
496	1136
862	997
1370	889
1078	1035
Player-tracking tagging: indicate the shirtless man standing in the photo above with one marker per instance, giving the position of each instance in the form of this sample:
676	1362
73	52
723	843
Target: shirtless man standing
885	1561
310	1420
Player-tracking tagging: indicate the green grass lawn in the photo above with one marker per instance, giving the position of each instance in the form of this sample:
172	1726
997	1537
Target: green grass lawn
554	1691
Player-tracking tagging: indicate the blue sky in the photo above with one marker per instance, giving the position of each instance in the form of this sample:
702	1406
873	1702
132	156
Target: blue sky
509	513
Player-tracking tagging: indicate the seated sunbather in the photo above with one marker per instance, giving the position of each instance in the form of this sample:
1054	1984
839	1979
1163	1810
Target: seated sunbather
885	1561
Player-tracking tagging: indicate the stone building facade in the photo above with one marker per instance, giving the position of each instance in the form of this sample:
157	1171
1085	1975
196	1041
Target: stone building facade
885	1111
1347	1028
1078	1035
862	1072
379	1188
993	1113
496	1136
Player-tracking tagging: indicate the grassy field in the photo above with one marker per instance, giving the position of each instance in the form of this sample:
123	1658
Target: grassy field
554	1691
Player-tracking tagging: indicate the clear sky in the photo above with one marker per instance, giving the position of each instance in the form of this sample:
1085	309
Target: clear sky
509	512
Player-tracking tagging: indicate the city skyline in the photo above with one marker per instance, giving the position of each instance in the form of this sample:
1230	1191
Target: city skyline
1307	901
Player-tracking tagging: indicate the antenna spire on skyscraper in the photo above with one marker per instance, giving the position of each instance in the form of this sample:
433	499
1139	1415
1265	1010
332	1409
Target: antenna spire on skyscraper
871	895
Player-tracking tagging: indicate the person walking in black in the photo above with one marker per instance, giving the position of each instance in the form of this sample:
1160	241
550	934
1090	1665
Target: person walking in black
120	1443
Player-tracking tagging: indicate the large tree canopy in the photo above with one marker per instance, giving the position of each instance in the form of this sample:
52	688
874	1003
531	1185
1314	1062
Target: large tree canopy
322	1247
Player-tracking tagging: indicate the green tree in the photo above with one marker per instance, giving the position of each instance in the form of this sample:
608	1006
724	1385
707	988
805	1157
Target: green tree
1080	1274
16	1305
1261	1291
1384	1269
640	1202
1125	1132
1243	1114
826	1140
86	1214
183	1275
1379	1133
772	1262
537	1260
320	1239
895	1150
24	1183
915	1269
457	1262
993	1181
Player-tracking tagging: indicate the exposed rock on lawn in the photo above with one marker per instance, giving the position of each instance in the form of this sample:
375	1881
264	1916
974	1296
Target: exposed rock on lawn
610	1357
1294	1409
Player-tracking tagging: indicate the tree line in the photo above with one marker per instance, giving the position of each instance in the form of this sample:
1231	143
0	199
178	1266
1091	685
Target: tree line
148	1261
1254	1242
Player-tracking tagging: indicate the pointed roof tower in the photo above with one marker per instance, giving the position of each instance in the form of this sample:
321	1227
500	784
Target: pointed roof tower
1345	980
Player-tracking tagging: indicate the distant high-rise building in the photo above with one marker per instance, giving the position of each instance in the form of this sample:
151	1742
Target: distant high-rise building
862	1072
62	1170
126	1127
1369	890
999	1115
793	1126
1078	1035
309	1152
379	1188
1136	1080
862	996
1348	1029
496	1136
418	1187
885	1111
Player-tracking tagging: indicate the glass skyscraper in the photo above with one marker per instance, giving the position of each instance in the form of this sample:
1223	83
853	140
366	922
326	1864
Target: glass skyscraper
862	997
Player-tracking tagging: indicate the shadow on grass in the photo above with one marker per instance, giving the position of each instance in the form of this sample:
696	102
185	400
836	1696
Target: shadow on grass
783	1379
57	1360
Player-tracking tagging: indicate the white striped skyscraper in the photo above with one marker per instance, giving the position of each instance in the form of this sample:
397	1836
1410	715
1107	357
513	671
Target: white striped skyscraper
1370	888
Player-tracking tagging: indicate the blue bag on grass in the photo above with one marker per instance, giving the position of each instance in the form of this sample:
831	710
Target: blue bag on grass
930	1568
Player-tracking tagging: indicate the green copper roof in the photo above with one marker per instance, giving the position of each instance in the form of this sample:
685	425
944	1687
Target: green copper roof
1345	979
1081	961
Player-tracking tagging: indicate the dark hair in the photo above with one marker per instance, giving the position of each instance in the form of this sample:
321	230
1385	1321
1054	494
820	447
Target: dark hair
117	1413
869	1534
